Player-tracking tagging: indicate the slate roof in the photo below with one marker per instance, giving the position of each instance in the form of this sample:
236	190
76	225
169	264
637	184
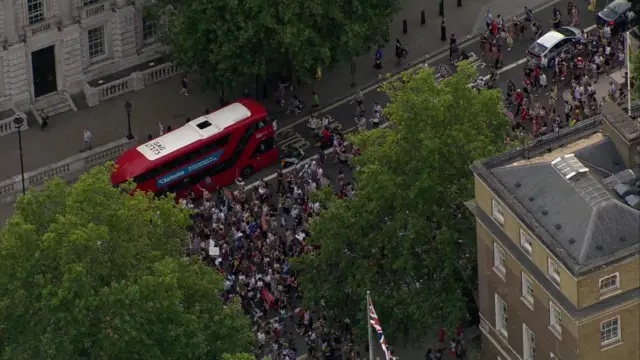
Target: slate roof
579	219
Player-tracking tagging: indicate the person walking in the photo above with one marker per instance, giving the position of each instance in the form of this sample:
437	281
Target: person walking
185	85
87	140
377	61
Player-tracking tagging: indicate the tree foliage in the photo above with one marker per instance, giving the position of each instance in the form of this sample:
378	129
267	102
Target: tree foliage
240	356
635	74
407	236
89	271
230	40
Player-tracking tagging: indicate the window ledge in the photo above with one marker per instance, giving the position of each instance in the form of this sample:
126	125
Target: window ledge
503	334
610	345
557	332
99	62
610	293
501	273
554	281
527	302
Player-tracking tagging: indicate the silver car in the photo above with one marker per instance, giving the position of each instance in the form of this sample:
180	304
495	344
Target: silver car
552	44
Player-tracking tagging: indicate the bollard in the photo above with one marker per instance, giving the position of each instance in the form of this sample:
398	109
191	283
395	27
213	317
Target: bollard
257	87
404	26
423	18
443	31
441	8
459	3
353	72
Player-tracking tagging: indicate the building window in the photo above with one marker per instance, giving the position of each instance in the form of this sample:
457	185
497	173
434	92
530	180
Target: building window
525	243
609	283
555	319
35	11
499	260
90	2
610	331
96	42
498	213
527	290
554	272
501	316
148	30
528	343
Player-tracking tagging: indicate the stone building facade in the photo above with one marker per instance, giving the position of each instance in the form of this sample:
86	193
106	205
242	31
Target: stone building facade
52	48
558	234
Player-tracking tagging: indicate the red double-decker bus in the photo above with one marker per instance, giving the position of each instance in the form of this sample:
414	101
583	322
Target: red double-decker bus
210	151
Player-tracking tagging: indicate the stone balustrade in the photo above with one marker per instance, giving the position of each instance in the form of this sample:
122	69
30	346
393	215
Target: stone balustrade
69	169
136	81
6	124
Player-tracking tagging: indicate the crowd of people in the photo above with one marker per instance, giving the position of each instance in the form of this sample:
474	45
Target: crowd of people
249	236
568	81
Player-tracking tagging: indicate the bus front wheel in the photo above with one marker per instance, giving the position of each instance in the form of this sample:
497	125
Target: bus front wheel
246	172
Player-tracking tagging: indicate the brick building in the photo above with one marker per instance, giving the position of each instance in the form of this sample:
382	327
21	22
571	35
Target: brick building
51	49
558	233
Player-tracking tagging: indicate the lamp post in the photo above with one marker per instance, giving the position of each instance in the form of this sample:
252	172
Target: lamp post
127	107
18	122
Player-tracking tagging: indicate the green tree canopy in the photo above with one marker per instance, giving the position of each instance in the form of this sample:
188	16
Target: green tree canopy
635	74
88	271
240	356
229	40
407	236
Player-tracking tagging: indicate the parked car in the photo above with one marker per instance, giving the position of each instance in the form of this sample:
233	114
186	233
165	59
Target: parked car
619	16
552	44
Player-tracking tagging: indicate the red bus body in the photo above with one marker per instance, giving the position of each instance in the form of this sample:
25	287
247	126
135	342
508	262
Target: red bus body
210	151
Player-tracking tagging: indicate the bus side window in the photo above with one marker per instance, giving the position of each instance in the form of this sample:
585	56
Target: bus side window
262	123
263	147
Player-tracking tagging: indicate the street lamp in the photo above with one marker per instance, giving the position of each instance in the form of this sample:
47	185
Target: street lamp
127	107
18	122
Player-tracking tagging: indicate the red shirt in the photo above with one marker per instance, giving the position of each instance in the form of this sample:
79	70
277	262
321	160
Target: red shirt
519	97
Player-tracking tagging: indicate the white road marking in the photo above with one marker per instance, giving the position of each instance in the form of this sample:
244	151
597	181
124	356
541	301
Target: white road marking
522	61
418	63
301	163
475	61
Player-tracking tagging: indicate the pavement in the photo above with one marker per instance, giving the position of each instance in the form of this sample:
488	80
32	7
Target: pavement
161	102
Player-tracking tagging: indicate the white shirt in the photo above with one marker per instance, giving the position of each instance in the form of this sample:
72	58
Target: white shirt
543	79
87	136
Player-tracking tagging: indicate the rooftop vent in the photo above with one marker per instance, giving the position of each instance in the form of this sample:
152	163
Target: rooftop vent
545	212
518	184
623	238
599	247
558	226
633	201
572	241
625	190
531	198
569	166
627	176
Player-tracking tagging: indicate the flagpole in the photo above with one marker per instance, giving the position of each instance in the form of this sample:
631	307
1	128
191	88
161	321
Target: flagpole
369	326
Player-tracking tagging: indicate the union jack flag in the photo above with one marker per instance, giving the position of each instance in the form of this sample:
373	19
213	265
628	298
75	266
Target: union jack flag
375	322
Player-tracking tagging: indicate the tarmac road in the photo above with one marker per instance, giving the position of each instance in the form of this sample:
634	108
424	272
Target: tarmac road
297	135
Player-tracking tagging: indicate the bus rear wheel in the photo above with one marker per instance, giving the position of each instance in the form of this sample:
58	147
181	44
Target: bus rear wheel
248	171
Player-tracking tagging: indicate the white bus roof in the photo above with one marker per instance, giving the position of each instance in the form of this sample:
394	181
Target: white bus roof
197	129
